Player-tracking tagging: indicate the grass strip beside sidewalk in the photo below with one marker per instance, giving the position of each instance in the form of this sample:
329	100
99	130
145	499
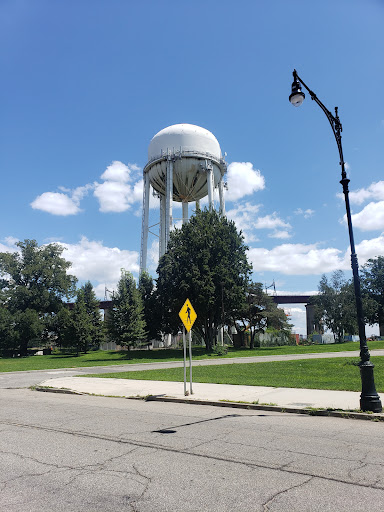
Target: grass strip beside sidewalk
335	374
111	358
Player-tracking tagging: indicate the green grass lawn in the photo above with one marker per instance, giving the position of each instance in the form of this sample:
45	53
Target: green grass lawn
339	374
105	358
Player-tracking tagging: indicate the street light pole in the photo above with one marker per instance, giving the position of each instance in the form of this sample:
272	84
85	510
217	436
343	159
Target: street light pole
369	399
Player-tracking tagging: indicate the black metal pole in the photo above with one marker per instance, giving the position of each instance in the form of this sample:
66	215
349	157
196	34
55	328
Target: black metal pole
369	398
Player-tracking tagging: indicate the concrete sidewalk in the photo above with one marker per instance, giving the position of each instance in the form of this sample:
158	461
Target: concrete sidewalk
287	398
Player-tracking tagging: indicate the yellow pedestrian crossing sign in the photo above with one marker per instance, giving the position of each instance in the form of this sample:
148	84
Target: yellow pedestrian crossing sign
187	315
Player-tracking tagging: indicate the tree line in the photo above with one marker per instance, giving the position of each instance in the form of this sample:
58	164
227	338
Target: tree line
335	306
205	261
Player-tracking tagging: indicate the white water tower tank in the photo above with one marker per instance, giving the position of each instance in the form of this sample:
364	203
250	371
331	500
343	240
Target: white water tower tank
190	147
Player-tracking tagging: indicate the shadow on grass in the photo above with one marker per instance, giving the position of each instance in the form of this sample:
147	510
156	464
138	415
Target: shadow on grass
124	355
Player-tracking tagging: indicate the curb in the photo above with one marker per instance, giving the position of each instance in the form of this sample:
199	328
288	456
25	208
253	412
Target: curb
235	405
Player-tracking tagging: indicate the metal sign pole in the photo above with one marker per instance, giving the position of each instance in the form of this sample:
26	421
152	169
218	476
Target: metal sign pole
185	363
188	316
190	361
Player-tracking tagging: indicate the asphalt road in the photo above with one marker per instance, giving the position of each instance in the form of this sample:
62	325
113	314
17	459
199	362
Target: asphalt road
10	380
89	454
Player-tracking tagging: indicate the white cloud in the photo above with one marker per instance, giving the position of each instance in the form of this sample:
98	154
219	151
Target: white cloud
370	218
245	217
118	171
282	234
79	192
62	203
271	221
118	193
113	196
295	259
93	261
298	317
243	180
306	213
56	203
301	259
367	249
245	211
375	191
9	245
10	240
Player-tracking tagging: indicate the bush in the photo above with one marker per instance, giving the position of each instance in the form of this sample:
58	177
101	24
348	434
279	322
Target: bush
220	350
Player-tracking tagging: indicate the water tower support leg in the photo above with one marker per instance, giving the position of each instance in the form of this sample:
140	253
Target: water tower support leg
185	211
221	197
144	227
162	227
210	184
168	201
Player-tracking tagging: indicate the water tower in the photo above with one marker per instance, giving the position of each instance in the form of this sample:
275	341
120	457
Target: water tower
185	164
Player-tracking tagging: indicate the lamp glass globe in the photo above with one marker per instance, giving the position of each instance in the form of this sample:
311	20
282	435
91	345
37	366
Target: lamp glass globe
297	98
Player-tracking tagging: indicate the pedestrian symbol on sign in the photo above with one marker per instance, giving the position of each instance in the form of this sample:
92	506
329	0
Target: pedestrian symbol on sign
187	315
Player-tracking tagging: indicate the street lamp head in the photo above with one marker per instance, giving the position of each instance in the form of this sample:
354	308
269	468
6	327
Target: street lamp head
297	96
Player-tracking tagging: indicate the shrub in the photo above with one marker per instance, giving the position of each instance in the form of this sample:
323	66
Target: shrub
220	350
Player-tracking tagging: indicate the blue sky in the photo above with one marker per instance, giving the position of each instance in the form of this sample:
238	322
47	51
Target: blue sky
86	84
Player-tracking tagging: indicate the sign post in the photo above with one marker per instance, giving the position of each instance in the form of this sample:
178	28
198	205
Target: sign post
188	316
185	363
190	362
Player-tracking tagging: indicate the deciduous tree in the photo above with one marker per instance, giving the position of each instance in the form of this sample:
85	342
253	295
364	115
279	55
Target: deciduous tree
206	262
259	313
8	341
372	281
336	304
34	281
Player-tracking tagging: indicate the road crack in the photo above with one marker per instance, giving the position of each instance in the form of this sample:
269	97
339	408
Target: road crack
267	504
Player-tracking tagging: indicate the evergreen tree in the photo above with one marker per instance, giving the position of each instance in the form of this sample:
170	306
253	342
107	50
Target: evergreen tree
126	324
277	319
63	327
93	311
148	297
83	328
